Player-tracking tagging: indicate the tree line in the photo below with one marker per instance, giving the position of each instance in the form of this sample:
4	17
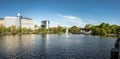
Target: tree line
13	30
53	30
102	29
58	30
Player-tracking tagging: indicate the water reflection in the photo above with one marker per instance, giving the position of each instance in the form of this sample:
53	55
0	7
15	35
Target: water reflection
53	46
11	45
46	38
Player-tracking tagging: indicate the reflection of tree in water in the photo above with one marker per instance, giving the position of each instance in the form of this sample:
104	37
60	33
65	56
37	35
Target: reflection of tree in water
2	53
25	46
11	46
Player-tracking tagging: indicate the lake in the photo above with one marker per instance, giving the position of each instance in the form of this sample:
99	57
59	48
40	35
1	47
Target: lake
55	46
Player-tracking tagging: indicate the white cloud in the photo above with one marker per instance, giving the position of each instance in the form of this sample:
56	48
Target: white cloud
72	19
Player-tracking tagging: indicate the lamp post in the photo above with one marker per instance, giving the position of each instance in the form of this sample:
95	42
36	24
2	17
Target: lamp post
19	17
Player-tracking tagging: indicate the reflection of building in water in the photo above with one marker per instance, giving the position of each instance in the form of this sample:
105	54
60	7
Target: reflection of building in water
45	37
44	42
28	40
45	24
12	43
17	46
8	43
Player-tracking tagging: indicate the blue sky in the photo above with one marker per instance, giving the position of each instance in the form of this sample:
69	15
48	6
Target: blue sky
64	12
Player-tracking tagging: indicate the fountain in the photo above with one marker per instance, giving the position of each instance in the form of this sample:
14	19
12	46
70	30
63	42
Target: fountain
66	31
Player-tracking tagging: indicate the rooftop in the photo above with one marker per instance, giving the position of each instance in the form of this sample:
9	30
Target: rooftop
26	18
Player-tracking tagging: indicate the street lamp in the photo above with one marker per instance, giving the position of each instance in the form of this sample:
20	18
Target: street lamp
19	17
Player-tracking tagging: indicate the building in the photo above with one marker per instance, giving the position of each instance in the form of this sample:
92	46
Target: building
45	24
1	21
86	31
10	21
19	21
27	23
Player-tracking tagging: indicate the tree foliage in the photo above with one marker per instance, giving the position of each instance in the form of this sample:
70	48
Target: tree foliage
57	30
74	30
103	29
2	30
88	26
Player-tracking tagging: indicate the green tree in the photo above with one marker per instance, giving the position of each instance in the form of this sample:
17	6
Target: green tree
88	26
43	30
53	30
36	31
60	29
26	30
114	29
103	32
96	30
102	29
74	30
2	30
104	25
13	30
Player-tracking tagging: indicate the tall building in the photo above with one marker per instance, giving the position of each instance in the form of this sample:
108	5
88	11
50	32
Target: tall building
45	24
19	21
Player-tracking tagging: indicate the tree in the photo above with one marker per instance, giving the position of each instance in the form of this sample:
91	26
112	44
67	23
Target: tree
96	30
60	29
114	29
13	30
43	30
53	30
88	26
104	25
2	29
57	30
103	32
74	30
36	31
26	30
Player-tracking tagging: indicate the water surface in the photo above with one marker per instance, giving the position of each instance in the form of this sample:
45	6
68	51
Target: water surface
55	46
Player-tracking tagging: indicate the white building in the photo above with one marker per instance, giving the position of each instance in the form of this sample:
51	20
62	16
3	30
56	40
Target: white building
27	23
19	21
10	21
45	24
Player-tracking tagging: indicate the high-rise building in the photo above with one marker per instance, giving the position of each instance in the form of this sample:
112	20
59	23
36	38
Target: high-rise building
45	24
19	21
